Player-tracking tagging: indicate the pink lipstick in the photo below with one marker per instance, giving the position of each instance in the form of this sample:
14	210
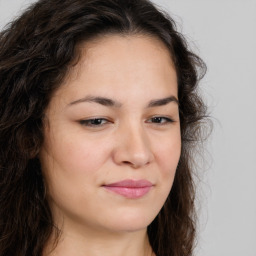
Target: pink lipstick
130	188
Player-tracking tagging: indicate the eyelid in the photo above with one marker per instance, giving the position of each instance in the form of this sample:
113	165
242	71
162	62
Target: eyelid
86	122
168	120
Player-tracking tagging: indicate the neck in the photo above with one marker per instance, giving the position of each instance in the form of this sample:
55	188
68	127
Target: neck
95	243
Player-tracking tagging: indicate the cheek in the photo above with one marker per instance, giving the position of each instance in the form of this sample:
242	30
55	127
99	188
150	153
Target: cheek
78	155
72	169
168	155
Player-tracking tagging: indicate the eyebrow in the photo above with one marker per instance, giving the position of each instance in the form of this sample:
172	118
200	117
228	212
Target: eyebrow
162	102
111	103
100	100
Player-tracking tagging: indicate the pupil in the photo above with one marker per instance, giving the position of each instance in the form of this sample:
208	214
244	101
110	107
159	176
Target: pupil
157	119
96	121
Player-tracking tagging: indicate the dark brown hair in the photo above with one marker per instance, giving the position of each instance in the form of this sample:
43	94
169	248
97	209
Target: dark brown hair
36	51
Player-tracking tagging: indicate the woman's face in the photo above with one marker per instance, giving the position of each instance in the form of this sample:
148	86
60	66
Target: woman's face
112	136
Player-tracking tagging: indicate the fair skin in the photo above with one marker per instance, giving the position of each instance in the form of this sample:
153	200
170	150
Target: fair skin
114	118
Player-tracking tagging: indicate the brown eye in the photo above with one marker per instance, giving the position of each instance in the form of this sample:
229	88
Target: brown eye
160	120
94	122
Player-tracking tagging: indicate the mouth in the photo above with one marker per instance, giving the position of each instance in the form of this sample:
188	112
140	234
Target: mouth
130	188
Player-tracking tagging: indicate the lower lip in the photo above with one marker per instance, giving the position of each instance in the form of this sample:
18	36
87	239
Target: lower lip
130	192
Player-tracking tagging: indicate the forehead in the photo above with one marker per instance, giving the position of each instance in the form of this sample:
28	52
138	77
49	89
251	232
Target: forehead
121	64
115	50
122	45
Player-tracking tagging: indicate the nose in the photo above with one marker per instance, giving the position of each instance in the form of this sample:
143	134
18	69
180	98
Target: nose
133	148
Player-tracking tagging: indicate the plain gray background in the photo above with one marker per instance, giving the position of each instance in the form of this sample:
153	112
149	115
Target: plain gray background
223	33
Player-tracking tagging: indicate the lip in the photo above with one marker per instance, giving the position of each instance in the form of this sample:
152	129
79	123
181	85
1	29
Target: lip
130	188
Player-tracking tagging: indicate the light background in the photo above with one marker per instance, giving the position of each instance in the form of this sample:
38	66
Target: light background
223	33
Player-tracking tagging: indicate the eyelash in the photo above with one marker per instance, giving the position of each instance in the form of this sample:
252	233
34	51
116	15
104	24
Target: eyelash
167	120
91	122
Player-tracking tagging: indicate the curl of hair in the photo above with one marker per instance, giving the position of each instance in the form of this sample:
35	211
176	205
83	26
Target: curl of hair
36	51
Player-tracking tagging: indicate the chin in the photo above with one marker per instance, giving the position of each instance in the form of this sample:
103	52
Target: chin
131	221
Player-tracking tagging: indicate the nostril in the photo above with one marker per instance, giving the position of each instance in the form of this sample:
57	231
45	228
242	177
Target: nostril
136	163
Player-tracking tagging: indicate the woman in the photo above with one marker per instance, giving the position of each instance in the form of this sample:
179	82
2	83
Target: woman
99	117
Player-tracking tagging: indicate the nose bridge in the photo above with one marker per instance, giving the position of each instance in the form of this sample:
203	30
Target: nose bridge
137	140
133	145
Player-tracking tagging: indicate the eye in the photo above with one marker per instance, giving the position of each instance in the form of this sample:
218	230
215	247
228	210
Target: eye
160	120
94	122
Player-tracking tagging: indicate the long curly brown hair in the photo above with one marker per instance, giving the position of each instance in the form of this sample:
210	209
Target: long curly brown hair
36	51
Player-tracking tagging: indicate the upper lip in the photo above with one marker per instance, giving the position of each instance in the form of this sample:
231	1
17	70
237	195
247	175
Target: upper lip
130	184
